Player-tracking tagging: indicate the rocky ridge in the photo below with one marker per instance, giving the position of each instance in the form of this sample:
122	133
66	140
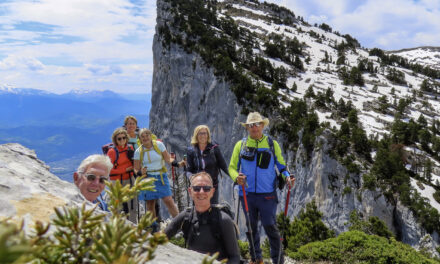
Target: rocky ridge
29	191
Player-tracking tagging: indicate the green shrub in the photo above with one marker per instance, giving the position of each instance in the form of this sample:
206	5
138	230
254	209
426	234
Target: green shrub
374	226
347	190
305	228
82	236
358	247
178	241
244	249
436	196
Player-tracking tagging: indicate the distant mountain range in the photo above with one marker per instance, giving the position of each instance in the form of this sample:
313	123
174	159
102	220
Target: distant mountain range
65	128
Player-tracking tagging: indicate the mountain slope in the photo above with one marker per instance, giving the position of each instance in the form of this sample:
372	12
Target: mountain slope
358	126
64	129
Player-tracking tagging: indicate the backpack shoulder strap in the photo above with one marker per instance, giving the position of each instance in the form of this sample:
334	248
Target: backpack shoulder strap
272	147
156	148
216	219
115	163
214	223
186	225
243	144
141	150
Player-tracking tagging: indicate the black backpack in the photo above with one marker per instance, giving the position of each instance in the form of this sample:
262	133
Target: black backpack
213	221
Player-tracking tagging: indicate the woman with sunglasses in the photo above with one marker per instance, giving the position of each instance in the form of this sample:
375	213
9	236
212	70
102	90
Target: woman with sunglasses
204	155
121	155
149	159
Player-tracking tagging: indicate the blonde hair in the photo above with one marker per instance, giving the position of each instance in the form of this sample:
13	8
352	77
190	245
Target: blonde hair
201	174
145	131
127	118
95	159
194	140
118	131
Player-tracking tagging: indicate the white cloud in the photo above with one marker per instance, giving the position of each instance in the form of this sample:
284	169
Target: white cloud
84	39
14	62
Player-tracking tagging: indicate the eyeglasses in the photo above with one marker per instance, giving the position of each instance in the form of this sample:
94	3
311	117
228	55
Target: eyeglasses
121	138
253	125
199	188
202	133
92	177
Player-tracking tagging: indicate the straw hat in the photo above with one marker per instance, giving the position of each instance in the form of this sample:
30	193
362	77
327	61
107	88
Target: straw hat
255	117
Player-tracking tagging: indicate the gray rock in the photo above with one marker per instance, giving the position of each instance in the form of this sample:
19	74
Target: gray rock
29	191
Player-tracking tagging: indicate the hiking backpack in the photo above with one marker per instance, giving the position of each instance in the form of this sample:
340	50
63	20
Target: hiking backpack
108	146
213	221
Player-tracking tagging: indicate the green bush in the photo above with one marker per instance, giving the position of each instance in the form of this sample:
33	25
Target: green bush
358	247
436	196
374	226
305	228
244	249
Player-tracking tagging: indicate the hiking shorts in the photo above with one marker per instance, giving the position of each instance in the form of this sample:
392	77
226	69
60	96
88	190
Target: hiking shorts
162	190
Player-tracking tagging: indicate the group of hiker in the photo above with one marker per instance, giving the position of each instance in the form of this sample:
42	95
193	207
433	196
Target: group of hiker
256	166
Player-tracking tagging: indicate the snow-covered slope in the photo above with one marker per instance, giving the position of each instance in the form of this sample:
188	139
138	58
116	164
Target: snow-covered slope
426	56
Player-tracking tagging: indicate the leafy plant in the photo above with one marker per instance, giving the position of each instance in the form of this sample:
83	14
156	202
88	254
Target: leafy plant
81	235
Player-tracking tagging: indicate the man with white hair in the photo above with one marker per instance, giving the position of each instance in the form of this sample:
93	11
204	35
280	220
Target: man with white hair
90	178
253	163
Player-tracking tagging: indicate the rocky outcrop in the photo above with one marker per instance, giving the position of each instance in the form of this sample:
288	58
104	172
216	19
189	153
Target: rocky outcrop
29	191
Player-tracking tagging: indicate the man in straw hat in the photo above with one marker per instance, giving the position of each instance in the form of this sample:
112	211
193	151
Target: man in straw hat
253	164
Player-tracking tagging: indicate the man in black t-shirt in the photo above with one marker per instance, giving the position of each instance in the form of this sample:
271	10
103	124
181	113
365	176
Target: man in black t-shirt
206	228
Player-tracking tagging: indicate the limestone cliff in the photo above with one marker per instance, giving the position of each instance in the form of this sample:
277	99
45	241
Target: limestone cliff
186	93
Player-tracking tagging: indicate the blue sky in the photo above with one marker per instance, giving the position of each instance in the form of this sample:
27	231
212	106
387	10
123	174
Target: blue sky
60	45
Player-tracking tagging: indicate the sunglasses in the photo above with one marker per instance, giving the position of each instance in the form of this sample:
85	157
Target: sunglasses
92	177
121	138
253	125
199	188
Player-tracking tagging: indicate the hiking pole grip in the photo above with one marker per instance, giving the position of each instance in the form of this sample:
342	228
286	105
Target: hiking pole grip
286	207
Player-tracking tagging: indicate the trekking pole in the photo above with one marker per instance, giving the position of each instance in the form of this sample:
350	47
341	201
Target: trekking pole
173	156
237	209
249	227
186	181
283	233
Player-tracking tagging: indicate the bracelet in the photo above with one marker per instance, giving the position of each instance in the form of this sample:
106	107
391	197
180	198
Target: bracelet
174	163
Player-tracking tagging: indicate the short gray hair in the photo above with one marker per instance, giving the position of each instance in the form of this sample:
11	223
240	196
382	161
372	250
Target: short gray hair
201	174
95	159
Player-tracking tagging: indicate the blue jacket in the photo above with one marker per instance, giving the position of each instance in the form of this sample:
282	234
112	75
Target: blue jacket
256	161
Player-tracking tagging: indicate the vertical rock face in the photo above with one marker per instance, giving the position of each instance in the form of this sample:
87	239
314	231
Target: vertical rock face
187	93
